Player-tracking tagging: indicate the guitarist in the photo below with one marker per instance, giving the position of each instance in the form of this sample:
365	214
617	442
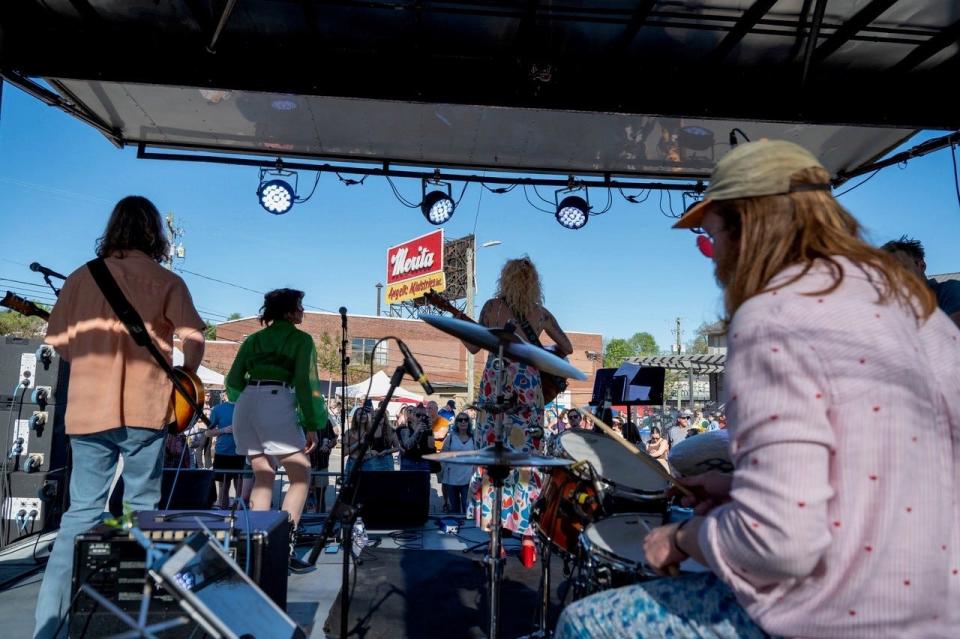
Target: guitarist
519	300
118	398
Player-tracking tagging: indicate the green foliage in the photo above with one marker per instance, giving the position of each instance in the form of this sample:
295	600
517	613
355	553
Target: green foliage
124	522
210	332
234	316
13	323
644	344
616	351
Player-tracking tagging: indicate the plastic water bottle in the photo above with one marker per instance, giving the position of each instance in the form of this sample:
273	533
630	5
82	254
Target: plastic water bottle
360	538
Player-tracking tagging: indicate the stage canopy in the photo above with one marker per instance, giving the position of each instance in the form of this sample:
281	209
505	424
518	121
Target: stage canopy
208	376
640	88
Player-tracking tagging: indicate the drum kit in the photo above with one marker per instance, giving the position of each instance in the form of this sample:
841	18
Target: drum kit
598	502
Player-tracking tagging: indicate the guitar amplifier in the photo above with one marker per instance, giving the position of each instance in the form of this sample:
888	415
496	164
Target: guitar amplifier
113	563
31	415
34	504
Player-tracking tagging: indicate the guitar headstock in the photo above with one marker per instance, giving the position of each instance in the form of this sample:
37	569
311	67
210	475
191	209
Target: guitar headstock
24	307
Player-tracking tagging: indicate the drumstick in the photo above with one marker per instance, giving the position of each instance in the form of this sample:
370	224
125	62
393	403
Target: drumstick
672	569
642	456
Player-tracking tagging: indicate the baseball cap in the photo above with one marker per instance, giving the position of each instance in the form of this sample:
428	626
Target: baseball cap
754	169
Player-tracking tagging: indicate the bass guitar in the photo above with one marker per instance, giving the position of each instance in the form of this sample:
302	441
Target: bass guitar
185	411
552	385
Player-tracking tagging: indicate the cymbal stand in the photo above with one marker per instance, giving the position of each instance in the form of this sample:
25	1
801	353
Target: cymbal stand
497	475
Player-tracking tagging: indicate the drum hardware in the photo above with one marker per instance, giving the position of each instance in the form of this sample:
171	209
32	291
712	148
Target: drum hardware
497	458
649	461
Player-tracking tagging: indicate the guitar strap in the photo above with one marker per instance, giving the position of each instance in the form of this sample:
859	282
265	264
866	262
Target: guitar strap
524	325
134	323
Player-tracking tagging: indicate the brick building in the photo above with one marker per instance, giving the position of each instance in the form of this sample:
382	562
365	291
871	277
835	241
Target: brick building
443	358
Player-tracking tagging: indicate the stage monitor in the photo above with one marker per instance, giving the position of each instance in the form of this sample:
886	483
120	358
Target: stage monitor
214	591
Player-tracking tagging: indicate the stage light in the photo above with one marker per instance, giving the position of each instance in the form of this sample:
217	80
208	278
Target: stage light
277	192
437	206
573	212
276	196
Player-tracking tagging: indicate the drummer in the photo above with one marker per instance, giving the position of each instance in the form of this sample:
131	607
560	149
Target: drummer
824	529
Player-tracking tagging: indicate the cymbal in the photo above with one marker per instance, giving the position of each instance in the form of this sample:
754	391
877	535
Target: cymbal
518	351
498	456
543	360
471	332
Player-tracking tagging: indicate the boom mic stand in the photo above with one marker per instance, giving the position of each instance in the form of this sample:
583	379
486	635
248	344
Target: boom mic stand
346	513
344	362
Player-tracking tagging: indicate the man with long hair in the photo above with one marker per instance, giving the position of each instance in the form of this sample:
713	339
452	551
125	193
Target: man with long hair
119	398
835	351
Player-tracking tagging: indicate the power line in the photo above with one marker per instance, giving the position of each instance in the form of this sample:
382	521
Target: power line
43	286
240	286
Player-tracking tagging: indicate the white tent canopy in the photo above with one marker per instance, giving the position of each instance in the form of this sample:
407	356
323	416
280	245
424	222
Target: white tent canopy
379	388
208	376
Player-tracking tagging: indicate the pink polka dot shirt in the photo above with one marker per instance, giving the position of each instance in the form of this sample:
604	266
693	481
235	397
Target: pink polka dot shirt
844	420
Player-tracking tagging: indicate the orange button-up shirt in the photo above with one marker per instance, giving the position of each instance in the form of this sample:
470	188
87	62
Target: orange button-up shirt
113	381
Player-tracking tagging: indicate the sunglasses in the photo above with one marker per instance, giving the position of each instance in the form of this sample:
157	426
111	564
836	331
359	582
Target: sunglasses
574	416
463	420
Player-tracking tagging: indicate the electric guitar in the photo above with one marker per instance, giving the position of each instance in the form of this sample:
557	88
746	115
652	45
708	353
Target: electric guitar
24	307
185	412
552	385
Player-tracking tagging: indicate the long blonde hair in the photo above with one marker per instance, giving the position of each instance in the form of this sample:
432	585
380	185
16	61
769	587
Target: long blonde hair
777	231
519	287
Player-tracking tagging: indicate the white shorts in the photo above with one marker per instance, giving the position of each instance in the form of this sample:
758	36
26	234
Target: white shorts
265	422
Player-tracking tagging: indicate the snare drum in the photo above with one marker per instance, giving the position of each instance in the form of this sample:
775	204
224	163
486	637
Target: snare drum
568	503
611	552
629	484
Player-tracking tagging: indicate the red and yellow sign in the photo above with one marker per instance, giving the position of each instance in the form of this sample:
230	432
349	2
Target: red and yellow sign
415	267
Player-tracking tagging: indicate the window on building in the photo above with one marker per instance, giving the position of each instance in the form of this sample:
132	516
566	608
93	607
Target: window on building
361	351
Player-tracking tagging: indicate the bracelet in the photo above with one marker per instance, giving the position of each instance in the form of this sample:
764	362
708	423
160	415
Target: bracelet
676	546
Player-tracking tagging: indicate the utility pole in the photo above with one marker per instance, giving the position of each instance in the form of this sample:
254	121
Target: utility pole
471	287
175	238
678	333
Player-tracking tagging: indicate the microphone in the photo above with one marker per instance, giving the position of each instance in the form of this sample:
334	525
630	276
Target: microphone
37	267
413	368
343	317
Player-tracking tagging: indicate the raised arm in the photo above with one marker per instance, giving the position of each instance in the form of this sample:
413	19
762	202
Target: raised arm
552	327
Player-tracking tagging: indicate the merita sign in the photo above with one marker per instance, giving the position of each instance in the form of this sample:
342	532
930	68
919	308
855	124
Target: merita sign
415	267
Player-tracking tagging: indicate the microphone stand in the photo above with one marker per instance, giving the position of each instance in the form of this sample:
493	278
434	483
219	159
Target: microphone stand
346	513
344	363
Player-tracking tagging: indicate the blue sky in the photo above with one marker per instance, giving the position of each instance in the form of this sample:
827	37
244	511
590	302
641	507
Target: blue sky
626	271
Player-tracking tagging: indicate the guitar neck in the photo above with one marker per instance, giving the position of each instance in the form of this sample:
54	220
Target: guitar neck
24	307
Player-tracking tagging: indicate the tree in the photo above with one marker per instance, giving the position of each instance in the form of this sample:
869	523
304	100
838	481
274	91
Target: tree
328	358
699	344
12	323
210	332
643	344
616	351
234	316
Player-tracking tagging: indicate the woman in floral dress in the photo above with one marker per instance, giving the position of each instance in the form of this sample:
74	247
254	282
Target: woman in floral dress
518	297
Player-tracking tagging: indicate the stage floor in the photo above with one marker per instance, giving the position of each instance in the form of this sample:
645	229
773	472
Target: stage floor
403	584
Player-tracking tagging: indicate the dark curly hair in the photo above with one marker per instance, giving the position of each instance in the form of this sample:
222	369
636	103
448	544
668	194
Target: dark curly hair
907	245
134	225
279	304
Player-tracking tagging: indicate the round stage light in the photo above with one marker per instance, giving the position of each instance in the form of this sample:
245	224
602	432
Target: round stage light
275	196
437	207
573	212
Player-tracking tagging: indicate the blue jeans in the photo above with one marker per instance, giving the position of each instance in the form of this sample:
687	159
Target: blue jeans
374	463
93	466
457	498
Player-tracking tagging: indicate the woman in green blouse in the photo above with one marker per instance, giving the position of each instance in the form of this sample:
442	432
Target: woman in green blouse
275	372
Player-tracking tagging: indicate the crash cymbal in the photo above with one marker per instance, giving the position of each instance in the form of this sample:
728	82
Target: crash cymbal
498	456
514	349
470	332
543	360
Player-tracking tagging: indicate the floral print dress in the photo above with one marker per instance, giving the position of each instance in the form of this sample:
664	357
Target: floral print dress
522	486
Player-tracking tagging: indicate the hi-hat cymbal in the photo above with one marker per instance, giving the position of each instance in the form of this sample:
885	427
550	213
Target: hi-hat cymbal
478	335
498	456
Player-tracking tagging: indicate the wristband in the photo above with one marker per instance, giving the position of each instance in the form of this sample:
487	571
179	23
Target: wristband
676	546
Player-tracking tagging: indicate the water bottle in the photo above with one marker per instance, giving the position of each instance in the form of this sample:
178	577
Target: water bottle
359	537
